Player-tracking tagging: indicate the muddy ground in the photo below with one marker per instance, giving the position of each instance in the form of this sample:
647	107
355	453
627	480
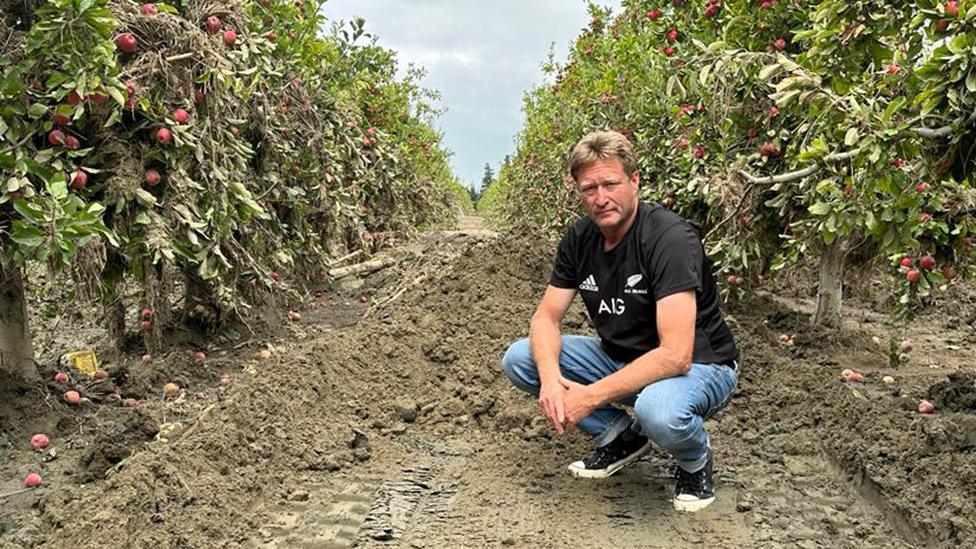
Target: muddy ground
389	424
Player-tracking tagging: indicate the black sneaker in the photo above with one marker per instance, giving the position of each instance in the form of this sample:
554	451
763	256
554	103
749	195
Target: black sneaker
694	491
607	460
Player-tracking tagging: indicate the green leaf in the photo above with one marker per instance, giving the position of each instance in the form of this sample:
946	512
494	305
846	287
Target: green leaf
145	198
850	139
37	110
820	208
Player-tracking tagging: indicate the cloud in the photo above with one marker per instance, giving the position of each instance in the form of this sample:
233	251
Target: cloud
481	56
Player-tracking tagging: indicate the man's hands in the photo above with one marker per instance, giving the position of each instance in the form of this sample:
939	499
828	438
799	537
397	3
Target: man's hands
566	403
552	398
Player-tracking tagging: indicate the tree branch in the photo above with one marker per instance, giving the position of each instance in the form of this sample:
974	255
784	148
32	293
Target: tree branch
944	130
801	173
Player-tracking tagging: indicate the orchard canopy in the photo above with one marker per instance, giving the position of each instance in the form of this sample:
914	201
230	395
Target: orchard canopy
781	128
220	150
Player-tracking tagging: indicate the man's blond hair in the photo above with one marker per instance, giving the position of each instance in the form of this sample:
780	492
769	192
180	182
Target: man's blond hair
599	146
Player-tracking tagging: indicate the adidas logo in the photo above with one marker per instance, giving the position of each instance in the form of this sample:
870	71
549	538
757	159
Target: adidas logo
590	284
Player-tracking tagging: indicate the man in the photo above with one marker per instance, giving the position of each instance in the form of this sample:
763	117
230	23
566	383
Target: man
663	347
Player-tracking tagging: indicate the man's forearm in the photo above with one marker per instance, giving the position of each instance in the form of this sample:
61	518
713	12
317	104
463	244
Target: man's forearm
651	366
545	341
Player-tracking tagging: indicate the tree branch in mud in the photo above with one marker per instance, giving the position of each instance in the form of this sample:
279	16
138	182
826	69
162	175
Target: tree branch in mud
359	268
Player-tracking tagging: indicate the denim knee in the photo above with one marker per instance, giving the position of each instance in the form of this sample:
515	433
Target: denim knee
519	366
668	427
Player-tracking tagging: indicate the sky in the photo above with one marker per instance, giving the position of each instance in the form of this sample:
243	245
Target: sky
480	56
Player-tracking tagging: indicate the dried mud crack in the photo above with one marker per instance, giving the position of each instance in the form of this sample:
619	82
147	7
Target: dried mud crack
399	430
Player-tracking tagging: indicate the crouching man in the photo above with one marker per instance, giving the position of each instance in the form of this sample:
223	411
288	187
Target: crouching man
663	346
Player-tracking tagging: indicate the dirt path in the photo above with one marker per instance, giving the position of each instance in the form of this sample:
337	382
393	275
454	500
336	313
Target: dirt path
399	430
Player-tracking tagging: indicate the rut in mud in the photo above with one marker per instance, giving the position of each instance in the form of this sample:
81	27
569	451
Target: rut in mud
392	425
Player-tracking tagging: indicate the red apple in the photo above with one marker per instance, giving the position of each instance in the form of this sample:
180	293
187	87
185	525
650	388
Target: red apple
97	97
74	98
32	480
79	179
126	42
151	178
164	136
199	356
926	407
948	272
913	275
951	8
71	142
181	116
274	276
72	397
198	95
907	261
779	44
56	137
927	262
60	119
146	313
699	152
654	14
894	69
38	442
942	24
60	377
672	35
230	36
681	143
213	24
148	9
921	187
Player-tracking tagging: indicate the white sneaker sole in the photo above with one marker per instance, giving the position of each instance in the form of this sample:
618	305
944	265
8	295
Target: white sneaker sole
692	505
578	468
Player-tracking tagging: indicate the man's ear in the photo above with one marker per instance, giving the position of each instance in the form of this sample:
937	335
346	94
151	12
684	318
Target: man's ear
635	179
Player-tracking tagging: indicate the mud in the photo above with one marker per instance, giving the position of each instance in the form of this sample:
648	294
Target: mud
389	424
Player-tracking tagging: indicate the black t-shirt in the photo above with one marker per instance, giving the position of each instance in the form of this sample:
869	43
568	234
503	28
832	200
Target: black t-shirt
660	255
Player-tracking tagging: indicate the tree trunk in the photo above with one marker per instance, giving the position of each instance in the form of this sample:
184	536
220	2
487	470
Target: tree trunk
16	347
831	286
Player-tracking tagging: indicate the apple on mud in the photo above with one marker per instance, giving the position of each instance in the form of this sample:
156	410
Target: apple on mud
126	42
39	442
61	377
151	178
32	480
164	136
926	407
230	37
181	116
213	24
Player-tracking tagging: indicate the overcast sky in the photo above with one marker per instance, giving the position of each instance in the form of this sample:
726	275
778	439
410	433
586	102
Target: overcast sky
482	56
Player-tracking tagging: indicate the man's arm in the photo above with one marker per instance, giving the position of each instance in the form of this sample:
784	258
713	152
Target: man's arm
545	341
676	329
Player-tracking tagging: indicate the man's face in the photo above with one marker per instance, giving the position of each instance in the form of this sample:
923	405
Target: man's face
609	196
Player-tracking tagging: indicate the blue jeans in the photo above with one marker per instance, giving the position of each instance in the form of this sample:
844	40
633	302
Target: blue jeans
669	411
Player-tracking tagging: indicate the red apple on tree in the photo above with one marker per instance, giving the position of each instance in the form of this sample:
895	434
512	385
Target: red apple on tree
907	261
951	8
79	179
73	98
927	262
913	275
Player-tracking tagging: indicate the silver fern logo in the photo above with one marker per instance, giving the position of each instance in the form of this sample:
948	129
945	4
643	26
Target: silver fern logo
632	281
